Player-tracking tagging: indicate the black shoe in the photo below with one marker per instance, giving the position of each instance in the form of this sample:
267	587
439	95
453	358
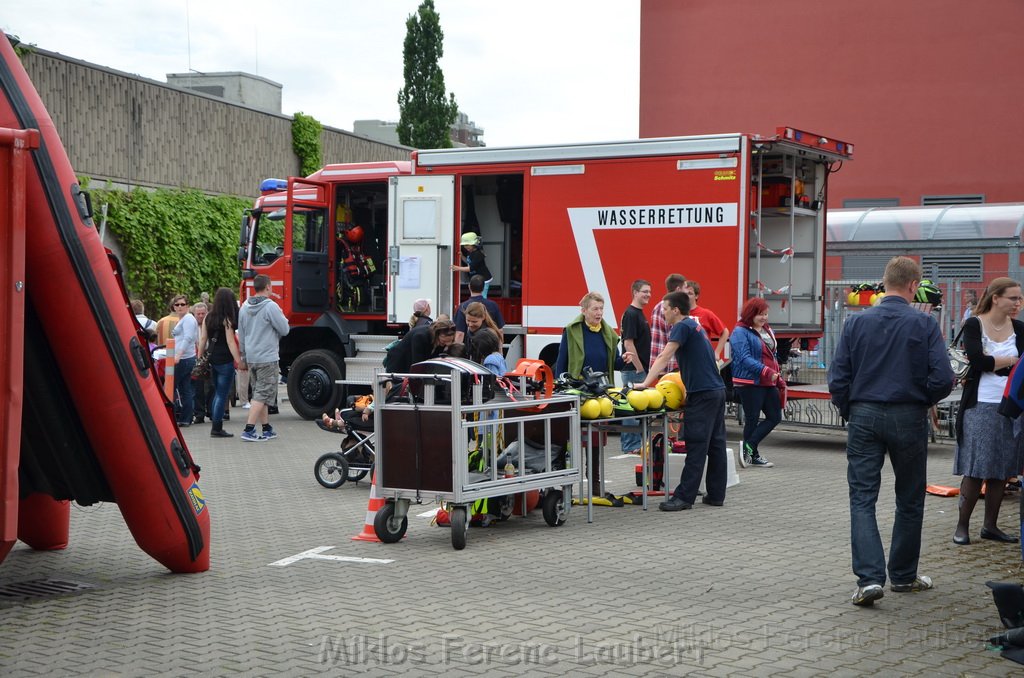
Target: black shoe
998	535
712	502
674	503
961	541
199	420
227	417
220	433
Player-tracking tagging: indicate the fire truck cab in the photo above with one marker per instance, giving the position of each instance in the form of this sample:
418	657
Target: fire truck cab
351	247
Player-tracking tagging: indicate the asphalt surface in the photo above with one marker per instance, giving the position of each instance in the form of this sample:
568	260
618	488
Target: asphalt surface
759	587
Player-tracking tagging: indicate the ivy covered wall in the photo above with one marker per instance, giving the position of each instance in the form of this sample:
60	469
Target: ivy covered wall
173	242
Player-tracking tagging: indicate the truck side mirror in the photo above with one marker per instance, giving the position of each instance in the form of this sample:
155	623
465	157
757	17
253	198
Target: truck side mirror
243	237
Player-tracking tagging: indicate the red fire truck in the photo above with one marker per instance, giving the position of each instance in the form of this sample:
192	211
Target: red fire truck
350	248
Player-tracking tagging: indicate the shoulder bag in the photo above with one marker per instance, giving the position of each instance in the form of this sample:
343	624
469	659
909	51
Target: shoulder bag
958	357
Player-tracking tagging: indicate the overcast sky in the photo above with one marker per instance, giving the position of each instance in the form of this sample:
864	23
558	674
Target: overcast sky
527	72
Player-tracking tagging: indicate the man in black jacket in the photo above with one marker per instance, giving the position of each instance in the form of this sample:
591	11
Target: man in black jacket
890	367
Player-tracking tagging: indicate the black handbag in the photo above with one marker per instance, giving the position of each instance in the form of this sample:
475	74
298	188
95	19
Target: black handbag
202	369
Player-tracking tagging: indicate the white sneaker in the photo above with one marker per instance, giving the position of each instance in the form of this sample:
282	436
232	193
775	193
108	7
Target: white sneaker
865	596
920	583
246	406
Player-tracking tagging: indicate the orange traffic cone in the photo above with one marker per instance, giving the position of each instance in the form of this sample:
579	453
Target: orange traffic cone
374	505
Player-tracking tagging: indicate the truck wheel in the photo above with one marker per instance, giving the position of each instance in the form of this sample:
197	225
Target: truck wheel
311	387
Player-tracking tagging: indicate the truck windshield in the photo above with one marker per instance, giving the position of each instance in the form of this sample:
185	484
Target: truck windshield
268	236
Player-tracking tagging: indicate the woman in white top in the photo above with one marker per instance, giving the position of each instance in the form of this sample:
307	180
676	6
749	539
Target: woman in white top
186	334
988	444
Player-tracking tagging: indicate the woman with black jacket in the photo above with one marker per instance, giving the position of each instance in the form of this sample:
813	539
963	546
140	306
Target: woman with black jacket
988	444
421	343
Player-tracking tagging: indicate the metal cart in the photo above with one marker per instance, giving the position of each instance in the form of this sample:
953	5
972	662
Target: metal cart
425	436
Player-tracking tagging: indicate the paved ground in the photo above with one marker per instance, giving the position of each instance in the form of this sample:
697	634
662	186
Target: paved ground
758	587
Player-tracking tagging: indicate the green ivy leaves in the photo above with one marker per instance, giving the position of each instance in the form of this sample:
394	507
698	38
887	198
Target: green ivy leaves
174	241
306	142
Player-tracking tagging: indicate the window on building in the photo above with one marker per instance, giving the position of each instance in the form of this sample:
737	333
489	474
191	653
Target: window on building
215	90
964	267
934	200
865	203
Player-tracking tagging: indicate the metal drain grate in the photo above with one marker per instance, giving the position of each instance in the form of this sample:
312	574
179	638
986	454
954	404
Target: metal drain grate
40	588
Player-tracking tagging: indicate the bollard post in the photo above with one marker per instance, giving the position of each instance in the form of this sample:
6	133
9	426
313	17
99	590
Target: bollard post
169	370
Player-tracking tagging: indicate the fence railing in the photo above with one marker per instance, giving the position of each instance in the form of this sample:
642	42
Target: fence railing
811	366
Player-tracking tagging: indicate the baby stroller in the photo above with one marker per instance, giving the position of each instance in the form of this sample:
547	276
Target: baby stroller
357	455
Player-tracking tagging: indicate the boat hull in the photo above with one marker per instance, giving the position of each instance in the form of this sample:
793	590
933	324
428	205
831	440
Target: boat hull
119	423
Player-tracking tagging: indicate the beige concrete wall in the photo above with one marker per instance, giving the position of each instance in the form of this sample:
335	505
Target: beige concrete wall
138	132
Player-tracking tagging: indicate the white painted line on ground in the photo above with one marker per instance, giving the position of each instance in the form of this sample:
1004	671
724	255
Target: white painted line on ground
626	456
317	554
429	514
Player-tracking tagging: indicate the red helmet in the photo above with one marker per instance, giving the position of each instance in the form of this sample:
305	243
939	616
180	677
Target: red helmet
354	234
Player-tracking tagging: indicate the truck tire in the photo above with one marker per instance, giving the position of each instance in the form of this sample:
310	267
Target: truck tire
311	387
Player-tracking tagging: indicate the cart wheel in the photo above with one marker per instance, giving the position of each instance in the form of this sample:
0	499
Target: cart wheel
506	506
355	475
460	527
389	529
552	508
331	470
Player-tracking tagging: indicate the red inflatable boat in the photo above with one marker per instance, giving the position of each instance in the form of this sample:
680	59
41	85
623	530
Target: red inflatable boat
95	425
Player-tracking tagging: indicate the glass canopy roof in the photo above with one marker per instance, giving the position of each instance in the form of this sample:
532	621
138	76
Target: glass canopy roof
1003	221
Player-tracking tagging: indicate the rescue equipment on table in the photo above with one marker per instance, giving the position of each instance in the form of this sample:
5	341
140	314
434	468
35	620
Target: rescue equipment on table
354	267
599	400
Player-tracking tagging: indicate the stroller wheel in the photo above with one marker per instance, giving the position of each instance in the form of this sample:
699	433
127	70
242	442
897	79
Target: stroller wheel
331	470
360	459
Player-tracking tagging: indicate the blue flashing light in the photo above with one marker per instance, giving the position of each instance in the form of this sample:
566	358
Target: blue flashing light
268	185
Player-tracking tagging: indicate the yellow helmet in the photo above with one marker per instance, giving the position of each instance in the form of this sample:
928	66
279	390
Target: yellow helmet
672	387
606	406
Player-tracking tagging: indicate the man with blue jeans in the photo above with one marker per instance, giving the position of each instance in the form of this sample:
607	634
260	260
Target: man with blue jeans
890	367
704	423
636	339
